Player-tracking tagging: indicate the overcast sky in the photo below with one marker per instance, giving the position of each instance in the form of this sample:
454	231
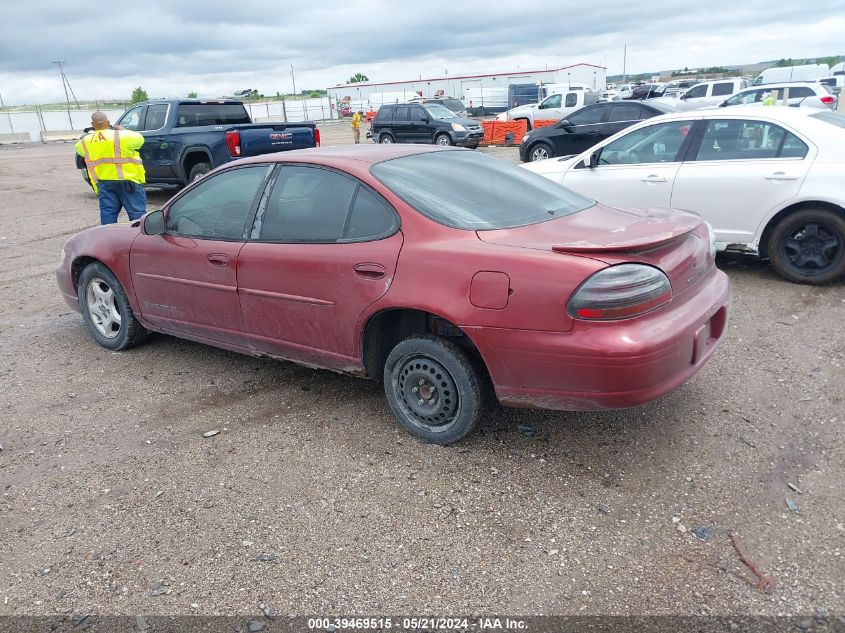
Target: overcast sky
215	47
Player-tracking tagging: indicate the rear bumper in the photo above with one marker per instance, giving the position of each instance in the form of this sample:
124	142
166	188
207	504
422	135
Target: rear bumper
612	364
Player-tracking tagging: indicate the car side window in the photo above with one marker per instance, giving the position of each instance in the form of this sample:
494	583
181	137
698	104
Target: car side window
401	114
720	90
385	114
624	113
551	102
418	115
306	204
156	117
370	218
748	140
131	119
571	100
587	116
744	98
696	91
217	207
652	144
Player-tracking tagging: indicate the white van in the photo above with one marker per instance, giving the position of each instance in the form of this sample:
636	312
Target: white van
556	106
784	74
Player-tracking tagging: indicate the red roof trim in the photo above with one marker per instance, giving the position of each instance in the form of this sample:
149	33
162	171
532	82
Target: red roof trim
416	81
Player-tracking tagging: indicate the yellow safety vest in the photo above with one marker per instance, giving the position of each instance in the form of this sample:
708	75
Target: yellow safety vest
112	155
356	120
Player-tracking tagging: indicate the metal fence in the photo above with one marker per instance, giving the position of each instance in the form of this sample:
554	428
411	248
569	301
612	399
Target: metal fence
38	120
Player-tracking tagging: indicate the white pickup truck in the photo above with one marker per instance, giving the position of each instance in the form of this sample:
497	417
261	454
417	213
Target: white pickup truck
708	94
556	106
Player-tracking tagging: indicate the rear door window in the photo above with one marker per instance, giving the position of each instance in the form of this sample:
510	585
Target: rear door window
722	89
748	140
626	112
587	116
571	100
401	114
198	114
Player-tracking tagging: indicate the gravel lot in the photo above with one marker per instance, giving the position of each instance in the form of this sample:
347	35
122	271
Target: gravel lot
313	499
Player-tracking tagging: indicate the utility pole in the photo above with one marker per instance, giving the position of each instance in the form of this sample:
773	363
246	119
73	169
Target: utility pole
64	85
8	114
625	64
293	79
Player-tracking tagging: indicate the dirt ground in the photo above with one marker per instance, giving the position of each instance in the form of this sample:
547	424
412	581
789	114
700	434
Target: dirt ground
312	498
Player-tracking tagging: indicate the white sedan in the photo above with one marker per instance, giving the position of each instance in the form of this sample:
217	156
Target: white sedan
770	182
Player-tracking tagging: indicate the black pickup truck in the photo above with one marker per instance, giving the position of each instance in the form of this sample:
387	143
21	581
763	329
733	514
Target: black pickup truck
185	139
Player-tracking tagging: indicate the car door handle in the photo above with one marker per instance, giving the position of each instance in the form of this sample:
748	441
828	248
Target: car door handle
779	175
370	271
218	259
654	178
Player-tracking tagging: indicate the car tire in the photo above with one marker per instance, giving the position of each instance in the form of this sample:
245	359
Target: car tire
106	310
443	139
386	138
540	151
198	171
808	246
438	373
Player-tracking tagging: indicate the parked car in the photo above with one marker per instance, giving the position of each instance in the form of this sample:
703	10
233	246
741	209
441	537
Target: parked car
435	270
805	95
584	128
556	106
424	123
647	91
184	139
769	180
455	105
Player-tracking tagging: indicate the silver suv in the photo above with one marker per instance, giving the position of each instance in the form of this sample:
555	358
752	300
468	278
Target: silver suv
798	94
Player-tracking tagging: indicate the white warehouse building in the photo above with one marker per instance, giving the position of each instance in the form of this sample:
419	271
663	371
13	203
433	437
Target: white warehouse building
491	91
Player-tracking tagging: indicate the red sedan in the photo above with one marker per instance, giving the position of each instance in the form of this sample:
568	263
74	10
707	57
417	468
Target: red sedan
436	271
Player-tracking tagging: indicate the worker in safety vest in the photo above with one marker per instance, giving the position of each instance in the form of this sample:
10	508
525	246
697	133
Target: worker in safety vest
115	168
356	125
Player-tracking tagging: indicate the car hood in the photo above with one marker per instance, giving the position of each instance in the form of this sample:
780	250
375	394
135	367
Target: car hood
523	110
599	229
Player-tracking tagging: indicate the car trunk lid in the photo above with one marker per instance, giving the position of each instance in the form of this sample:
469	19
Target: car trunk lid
677	242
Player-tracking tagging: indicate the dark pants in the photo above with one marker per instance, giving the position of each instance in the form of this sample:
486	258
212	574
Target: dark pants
114	194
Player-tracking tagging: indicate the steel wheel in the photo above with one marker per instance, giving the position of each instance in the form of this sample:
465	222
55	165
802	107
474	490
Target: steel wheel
433	388
104	310
428	393
385	138
443	139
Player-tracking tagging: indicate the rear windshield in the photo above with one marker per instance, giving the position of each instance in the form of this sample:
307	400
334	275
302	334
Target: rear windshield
472	191
195	114
831	117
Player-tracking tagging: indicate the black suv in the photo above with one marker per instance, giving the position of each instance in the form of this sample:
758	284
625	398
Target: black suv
424	123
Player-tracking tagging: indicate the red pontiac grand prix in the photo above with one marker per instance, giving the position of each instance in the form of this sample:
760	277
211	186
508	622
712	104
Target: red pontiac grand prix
436	271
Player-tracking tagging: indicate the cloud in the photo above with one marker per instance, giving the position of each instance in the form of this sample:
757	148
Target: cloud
216	47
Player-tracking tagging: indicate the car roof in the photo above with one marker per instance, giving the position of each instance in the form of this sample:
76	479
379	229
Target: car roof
365	153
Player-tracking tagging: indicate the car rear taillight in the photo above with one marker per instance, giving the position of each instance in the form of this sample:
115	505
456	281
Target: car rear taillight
622	291
317	137
827	100
233	142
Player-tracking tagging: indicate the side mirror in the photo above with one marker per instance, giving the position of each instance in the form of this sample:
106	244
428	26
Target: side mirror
564	123
594	159
153	223
684	97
